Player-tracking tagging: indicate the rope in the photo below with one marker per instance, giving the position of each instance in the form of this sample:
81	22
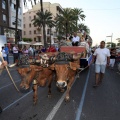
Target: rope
9	74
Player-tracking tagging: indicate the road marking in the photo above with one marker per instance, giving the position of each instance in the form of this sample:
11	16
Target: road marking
79	111
55	109
9	84
57	106
17	100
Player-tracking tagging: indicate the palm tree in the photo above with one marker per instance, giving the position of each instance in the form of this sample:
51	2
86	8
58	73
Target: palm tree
84	27
78	14
65	21
47	18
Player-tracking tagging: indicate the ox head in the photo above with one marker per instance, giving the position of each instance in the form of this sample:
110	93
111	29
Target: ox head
65	68
63	72
23	71
28	76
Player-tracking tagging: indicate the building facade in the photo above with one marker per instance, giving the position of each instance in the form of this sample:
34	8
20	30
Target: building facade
4	15
31	31
8	18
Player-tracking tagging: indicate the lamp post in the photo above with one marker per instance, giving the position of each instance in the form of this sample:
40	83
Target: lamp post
111	39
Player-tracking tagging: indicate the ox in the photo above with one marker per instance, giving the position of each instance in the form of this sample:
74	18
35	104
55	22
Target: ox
28	74
38	75
66	69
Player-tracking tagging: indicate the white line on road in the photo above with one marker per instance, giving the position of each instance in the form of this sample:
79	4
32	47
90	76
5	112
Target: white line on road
17	100
55	109
9	84
57	106
79	111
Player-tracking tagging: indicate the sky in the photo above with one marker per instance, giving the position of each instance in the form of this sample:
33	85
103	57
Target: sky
102	17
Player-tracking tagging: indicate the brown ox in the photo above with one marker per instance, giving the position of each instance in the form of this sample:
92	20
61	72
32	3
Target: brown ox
38	75
28	75
65	74
44	74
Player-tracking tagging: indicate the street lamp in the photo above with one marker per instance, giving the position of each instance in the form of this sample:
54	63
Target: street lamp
111	39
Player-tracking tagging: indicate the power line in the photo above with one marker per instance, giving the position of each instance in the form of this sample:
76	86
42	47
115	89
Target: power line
105	9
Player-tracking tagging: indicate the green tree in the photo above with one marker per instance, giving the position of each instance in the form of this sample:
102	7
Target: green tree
43	16
65	22
78	14
113	45
84	27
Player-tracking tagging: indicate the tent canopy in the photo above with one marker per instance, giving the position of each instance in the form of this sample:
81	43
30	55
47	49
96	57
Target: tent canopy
23	43
38	43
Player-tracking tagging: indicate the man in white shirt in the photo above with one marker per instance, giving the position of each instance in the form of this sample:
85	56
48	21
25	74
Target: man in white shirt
102	55
15	53
75	40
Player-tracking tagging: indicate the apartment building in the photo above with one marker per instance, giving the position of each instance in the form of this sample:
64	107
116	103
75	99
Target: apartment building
4	15
31	31
7	16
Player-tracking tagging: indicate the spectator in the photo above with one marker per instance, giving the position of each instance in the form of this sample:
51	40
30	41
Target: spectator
15	53
4	54
30	51
25	50
112	57
7	53
102	55
75	40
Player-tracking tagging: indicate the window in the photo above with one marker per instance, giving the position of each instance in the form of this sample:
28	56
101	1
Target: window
24	33
19	10
30	32
34	31
48	31
34	17
39	39
30	25
34	39
23	18
12	5
19	22
24	26
4	18
34	25
3	4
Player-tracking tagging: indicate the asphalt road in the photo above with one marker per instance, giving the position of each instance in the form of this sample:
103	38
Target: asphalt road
86	103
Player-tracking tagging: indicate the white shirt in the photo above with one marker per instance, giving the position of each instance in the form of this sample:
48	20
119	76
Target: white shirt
30	50
15	50
101	56
0	63
75	39
4	53
85	44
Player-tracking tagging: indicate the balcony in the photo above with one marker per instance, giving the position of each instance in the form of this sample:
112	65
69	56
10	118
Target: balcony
38	34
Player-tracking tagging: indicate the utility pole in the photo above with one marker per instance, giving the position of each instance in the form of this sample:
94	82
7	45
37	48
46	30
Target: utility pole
111	39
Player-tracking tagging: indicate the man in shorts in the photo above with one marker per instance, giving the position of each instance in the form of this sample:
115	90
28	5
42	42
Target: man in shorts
102	56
